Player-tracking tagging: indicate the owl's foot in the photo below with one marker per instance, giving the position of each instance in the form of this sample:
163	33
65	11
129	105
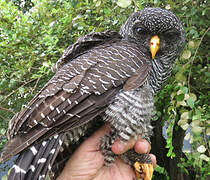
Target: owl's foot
143	169
142	164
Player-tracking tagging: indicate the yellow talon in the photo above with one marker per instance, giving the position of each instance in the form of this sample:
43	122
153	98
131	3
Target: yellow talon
143	170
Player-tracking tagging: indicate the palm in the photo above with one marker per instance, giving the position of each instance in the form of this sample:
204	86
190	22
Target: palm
84	164
118	171
88	162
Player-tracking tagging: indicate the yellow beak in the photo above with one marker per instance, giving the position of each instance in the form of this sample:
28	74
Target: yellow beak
154	45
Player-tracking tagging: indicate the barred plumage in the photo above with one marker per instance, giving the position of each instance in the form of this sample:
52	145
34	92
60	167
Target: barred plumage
105	76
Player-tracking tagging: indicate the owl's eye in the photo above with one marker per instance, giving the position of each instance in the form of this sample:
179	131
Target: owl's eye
140	31
170	34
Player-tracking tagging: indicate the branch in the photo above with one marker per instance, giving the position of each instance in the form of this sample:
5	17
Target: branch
5	109
2	117
38	79
136	6
18	88
194	57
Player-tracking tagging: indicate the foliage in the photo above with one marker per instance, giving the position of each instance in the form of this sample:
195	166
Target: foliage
34	35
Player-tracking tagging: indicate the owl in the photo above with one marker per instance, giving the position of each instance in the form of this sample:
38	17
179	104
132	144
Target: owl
104	77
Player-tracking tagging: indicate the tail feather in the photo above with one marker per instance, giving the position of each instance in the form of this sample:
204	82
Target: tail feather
50	155
41	159
35	162
21	142
19	172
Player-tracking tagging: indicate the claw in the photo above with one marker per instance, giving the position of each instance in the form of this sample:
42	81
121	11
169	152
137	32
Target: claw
143	169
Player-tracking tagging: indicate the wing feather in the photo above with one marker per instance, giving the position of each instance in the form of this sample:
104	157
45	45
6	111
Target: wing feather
138	78
77	99
20	142
83	44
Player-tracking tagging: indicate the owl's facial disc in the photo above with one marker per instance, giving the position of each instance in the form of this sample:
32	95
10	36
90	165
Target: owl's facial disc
142	26
154	45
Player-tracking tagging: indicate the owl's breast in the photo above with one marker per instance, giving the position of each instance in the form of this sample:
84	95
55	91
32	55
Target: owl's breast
130	113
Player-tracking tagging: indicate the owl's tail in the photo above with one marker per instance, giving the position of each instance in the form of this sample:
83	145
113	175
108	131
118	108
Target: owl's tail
35	162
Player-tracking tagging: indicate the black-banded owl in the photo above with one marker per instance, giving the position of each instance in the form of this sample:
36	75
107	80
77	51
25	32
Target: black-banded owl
103	77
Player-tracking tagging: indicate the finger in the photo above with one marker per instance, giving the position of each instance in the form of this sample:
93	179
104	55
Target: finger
119	147
154	161
142	146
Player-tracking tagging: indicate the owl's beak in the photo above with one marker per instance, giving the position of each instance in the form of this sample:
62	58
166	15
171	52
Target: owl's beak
154	45
143	169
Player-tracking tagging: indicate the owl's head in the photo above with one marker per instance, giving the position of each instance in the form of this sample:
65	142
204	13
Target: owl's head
158	32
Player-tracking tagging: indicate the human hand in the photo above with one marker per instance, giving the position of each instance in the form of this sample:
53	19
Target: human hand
87	162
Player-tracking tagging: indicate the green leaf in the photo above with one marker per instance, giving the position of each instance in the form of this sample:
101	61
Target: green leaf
207	74
191	44
195	123
197	129
180	77
124	3
173	155
184	89
98	3
180	97
160	169
4	177
185	126
169	142
185	115
21	90
190	102
196	117
170	152
201	149
193	96
204	157
208	131
3	131
186	54
182	122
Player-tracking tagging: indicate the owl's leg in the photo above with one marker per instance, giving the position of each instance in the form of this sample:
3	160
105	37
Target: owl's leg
105	148
141	163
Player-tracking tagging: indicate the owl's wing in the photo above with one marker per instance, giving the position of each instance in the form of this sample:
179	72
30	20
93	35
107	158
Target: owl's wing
138	78
83	44
77	93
